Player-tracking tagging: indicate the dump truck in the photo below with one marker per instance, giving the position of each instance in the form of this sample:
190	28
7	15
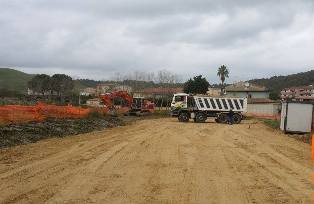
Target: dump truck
200	107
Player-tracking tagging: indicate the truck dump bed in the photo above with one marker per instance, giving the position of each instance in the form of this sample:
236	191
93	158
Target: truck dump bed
220	104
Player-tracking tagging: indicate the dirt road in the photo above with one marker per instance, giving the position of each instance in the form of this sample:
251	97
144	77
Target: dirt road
160	161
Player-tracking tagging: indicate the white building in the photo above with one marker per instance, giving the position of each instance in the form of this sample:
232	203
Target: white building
214	92
300	93
88	92
122	88
247	90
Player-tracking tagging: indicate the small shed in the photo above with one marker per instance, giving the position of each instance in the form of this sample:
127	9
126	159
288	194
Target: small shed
297	117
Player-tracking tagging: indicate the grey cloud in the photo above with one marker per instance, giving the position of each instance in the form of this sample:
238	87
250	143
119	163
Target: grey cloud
97	38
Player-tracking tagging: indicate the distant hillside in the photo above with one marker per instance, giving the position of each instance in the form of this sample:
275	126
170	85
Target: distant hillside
277	83
84	83
14	80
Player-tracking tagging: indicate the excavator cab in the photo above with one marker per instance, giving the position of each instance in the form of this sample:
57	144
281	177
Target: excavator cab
141	106
138	102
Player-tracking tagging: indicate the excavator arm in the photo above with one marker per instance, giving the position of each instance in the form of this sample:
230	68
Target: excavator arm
107	99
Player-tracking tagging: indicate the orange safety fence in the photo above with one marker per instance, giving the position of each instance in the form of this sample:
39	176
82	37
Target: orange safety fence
39	112
264	116
54	111
18	114
42	111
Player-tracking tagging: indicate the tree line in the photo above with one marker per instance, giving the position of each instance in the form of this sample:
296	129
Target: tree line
164	78
159	77
60	85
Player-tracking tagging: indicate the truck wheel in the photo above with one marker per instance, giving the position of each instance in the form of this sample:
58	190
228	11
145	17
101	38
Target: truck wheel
200	117
236	118
183	117
221	118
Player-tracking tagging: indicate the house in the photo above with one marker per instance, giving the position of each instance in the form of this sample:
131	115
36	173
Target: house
246	90
103	88
158	92
122	88
88	92
301	93
94	102
31	92
259	104
214	92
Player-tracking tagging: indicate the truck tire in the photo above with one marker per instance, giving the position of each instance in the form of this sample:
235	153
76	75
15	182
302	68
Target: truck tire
183	117
221	118
200	117
236	118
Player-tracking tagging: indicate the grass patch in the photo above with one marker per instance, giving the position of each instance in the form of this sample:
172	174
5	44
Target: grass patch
271	123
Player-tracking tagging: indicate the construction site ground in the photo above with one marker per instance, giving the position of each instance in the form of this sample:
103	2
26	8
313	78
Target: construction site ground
160	161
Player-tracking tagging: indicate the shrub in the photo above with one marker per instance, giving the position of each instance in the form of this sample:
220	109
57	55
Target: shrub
271	123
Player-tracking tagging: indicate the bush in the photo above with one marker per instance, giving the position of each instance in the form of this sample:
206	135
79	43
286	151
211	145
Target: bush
271	123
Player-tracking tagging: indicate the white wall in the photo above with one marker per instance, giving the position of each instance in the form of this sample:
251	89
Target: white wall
246	94
266	108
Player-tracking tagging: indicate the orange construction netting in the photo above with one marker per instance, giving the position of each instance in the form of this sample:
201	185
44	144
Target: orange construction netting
39	112
264	116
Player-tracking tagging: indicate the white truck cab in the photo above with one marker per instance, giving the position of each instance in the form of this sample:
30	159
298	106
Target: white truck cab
179	100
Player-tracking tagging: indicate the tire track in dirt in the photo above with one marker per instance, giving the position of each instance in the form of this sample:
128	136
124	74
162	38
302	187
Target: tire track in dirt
85	178
54	169
161	161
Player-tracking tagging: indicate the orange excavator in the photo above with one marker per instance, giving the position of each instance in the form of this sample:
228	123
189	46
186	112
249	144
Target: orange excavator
136	106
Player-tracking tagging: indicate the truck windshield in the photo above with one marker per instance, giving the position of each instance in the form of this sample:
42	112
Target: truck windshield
179	98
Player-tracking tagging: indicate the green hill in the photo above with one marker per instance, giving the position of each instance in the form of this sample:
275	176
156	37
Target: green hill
277	83
13	80
84	83
16	81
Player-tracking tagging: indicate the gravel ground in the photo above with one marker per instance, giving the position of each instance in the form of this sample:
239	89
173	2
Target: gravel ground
16	134
161	161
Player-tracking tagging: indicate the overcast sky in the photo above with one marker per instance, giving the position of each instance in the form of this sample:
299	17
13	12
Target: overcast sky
94	39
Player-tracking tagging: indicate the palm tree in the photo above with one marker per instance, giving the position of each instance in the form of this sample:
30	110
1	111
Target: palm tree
223	73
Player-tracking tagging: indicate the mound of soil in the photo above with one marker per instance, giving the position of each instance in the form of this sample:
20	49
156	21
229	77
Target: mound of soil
15	134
